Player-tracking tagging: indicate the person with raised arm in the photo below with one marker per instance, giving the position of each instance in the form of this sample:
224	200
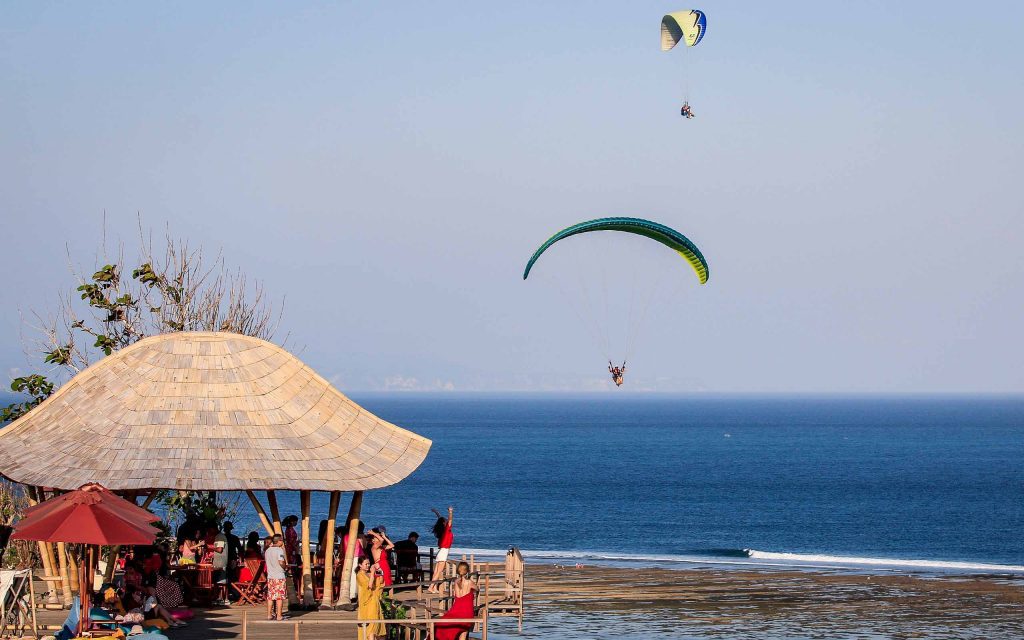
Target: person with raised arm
443	531
380	544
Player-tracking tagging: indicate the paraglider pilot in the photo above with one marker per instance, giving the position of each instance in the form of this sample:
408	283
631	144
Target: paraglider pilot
686	111
617	373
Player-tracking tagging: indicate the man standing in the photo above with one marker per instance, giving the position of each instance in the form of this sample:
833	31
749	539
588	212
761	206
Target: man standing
235	550
276	576
220	567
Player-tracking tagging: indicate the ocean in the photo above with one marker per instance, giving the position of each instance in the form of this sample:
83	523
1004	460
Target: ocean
930	484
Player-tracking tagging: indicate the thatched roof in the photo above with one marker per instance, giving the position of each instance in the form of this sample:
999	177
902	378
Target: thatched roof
205	411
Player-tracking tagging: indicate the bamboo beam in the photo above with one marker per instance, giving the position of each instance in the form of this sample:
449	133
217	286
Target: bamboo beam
307	568
260	512
274	512
350	549
332	517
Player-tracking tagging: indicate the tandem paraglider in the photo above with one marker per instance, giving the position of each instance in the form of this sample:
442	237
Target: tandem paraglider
687	26
627	302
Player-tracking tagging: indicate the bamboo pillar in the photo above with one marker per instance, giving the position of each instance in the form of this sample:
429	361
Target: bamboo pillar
45	550
65	587
108	573
73	567
307	568
274	512
332	517
51	555
350	548
260	512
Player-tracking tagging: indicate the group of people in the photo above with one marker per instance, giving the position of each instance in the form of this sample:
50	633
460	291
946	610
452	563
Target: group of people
146	591
373	574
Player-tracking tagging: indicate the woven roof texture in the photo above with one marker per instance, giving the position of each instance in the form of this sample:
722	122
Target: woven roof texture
205	411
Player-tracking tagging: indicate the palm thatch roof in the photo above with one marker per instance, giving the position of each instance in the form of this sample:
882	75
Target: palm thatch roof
205	411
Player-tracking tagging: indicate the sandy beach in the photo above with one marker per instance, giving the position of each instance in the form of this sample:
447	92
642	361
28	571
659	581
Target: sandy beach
713	603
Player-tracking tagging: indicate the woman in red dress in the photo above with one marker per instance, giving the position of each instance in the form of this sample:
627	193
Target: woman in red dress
379	547
463	590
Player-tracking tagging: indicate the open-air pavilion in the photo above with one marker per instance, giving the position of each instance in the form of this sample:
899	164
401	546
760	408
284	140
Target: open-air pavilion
211	412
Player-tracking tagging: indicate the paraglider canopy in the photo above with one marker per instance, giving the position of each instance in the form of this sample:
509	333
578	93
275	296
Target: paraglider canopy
653	230
688	26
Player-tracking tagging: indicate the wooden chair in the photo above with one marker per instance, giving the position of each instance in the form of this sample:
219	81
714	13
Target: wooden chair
253	591
317	571
204	587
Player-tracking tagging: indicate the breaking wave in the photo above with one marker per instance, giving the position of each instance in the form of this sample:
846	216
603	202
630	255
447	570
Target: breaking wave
749	558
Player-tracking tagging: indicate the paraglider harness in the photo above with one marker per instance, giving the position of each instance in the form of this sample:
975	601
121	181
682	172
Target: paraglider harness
686	111
617	372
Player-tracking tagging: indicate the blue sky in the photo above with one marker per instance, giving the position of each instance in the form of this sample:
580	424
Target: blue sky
852	176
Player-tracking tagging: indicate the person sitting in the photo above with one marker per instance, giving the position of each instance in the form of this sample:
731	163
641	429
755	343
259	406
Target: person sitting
155	612
407	558
152	564
686	111
132	576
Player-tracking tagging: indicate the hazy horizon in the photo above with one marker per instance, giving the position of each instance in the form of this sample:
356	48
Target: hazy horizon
388	169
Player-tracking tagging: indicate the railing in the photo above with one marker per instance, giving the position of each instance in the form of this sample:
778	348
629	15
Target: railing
414	627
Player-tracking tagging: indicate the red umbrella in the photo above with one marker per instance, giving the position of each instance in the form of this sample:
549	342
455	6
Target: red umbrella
90	515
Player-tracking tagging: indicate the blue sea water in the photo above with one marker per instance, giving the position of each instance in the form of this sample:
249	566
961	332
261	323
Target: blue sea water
933	483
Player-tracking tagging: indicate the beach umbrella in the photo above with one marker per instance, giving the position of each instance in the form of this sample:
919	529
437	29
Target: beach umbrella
91	515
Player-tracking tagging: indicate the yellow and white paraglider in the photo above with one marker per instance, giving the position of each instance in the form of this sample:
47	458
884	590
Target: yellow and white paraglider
687	26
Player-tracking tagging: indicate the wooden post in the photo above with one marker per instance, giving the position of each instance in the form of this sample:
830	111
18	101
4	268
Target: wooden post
332	517
307	567
296	631
274	513
350	548
65	587
149	499
245	625
261	513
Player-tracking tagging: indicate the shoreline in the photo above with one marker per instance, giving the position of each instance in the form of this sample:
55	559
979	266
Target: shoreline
768	602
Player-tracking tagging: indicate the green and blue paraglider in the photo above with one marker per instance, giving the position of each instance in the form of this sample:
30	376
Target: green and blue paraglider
658	232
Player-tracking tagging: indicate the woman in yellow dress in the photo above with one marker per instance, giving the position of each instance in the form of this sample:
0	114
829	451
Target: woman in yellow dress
371	587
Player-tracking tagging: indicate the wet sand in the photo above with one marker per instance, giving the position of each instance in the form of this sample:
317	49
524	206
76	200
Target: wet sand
712	603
